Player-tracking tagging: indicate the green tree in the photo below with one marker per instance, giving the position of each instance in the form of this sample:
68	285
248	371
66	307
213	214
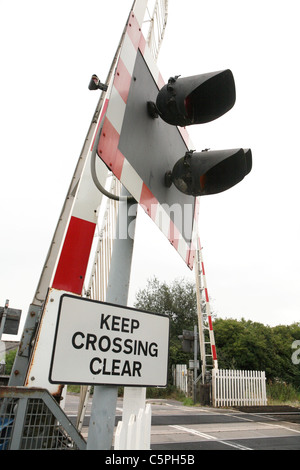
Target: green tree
177	301
247	345
242	344
283	337
9	359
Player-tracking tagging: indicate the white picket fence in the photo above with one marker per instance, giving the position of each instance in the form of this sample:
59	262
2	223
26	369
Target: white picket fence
238	388
136	433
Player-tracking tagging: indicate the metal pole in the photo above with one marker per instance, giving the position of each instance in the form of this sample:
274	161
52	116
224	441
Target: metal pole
102	421
3	319
195	362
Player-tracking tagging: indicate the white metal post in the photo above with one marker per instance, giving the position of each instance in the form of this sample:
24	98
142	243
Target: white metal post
102	421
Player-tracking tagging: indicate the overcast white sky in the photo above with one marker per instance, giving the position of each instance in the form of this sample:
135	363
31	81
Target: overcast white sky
250	234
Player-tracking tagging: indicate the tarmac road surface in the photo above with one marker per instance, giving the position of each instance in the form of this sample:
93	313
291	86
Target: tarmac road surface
178	427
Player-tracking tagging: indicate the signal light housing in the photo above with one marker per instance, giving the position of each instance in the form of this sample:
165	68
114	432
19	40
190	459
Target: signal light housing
195	100
209	172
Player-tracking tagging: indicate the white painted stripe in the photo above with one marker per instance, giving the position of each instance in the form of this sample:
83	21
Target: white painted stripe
235	445
193	431
116	110
128	54
182	248
131	179
139	10
88	197
162	220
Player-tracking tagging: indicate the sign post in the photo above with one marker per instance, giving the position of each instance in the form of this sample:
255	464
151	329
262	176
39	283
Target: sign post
102	421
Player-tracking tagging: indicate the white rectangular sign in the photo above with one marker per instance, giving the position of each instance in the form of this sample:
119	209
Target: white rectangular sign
100	343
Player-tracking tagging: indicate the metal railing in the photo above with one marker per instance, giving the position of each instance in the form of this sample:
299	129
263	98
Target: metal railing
31	419
158	22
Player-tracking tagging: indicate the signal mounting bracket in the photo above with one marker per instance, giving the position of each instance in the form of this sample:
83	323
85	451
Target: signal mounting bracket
152	109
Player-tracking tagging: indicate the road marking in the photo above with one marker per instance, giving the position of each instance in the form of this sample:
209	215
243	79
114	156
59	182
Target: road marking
208	437
236	446
193	409
192	431
266	424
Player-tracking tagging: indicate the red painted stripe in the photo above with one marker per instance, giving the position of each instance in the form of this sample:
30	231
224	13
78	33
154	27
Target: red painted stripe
134	30
108	148
191	255
214	352
73	261
108	144
206	295
118	164
210	323
148	202
122	80
142	44
104	109
203	270
174	235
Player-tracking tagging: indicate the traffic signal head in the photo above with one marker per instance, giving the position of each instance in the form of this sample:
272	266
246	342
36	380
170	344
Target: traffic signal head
197	99
209	172
187	340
